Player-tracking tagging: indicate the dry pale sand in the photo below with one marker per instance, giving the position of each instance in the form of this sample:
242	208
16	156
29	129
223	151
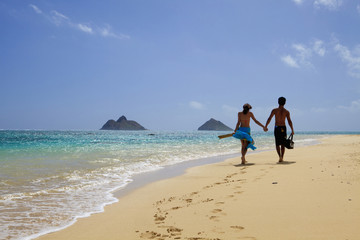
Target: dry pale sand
316	195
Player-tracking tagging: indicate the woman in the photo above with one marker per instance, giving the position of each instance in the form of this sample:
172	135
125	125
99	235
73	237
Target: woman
242	130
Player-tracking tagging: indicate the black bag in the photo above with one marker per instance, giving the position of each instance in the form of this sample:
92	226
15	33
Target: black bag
289	143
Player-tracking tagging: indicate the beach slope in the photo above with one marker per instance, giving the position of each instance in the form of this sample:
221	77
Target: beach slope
314	195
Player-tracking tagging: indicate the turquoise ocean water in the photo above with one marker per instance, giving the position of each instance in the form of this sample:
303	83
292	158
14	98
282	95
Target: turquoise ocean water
48	179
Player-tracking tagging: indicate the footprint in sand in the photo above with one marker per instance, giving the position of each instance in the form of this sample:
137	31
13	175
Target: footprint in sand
171	199
219	183
241	180
216	211
231	175
159	218
214	218
174	231
220	211
150	235
175	208
237	227
189	200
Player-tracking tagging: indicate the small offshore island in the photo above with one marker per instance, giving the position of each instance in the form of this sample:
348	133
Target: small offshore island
122	124
214	125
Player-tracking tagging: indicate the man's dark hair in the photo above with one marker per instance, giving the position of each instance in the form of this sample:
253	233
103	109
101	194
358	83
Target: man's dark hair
282	101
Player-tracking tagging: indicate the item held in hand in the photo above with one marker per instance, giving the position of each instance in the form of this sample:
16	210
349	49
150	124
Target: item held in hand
289	143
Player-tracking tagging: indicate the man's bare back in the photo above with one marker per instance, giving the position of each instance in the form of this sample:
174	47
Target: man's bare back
280	114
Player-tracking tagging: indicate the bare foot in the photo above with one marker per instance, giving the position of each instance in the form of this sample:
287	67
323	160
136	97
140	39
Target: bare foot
243	161
281	160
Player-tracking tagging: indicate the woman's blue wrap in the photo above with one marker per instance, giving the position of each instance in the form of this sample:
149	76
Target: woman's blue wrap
243	133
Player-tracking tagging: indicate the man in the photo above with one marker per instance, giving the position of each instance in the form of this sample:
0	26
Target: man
280	127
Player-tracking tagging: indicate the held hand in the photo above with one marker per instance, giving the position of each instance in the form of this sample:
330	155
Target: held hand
265	129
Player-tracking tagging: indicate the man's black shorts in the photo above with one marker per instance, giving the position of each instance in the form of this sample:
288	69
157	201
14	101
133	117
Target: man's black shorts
280	135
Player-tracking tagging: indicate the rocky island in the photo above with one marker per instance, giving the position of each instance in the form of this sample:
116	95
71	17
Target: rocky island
122	124
214	125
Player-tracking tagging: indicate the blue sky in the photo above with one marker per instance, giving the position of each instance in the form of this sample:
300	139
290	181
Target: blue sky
174	64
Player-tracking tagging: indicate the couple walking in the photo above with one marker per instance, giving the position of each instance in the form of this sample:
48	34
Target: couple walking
242	129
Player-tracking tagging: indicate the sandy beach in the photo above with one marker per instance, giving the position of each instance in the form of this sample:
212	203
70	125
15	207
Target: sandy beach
314	195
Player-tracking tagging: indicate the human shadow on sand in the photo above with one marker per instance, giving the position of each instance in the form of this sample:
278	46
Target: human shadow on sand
285	163
244	165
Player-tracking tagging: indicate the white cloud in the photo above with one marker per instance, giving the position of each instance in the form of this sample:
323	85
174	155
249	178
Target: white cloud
196	105
298	2
303	54
302	50
85	28
318	48
107	32
36	9
60	19
351	58
329	4
290	61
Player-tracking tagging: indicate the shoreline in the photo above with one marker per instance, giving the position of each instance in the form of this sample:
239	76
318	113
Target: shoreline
124	195
167	172
141	180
